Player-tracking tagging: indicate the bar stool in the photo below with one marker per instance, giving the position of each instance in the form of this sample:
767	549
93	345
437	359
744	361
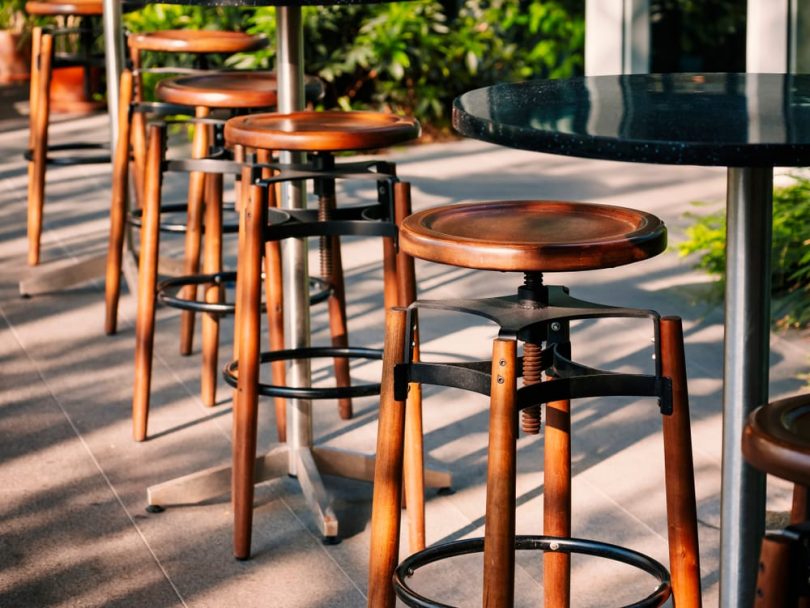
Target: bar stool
43	61
531	237
321	134
776	441
201	94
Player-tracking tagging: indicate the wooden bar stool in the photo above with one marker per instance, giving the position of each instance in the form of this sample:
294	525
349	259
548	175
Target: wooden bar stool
44	59
132	113
531	237
776	441
201	94
321	134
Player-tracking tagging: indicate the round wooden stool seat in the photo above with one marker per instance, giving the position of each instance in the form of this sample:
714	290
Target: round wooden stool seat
533	236
229	90
197	41
776	439
51	8
321	131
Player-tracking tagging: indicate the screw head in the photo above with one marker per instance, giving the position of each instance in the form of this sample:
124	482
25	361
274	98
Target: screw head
501	380
554	546
555	326
502	362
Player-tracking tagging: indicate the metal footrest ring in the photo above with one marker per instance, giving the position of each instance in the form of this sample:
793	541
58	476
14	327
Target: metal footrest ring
312	392
579	546
319	291
135	219
69	161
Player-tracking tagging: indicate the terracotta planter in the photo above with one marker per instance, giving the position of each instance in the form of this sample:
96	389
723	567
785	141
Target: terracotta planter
69	93
15	57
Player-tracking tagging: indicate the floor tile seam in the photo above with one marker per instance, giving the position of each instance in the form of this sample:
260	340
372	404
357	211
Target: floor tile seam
320	545
92	457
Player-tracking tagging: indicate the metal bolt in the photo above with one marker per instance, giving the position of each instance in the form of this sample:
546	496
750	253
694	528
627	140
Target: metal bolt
501	380
554	546
502	362
555	326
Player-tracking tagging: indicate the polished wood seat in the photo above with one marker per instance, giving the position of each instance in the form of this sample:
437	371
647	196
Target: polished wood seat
321	131
776	440
533	236
232	90
48	8
196	41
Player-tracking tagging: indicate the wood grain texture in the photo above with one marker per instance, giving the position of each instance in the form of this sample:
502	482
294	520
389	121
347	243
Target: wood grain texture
118	207
197	41
385	513
147	281
684	555
499	528
321	131
56	8
533	236
774	587
212	293
194	222
557	502
246	405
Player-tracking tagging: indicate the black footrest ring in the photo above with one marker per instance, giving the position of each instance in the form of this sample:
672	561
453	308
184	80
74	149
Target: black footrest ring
135	218
69	161
312	392
527	543
319	291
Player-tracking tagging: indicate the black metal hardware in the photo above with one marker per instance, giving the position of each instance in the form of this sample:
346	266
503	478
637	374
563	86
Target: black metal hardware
410	565
313	392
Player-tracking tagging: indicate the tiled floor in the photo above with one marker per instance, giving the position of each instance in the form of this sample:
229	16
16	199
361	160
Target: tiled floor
74	529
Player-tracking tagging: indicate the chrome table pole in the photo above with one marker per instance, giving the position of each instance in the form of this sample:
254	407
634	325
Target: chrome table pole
746	355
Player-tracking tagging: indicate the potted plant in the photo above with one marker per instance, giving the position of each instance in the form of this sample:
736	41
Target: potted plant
14	42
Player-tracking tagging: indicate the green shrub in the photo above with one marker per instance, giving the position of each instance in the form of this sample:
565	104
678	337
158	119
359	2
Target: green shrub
790	251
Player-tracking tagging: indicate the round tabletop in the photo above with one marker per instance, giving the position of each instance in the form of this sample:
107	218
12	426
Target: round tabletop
735	120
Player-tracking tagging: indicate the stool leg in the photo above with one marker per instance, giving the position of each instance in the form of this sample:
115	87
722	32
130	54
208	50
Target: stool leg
147	280
196	192
332	271
774	587
212	263
414	468
557	502
138	130
680	473
499	529
40	116
249	287
385	513
118	206
274	294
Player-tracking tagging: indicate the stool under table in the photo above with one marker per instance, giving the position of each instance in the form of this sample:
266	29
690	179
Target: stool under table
531	237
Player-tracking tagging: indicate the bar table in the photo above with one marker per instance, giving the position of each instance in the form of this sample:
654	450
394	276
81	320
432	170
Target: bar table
749	123
298	457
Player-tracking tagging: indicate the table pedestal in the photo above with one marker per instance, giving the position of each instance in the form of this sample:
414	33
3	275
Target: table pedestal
746	359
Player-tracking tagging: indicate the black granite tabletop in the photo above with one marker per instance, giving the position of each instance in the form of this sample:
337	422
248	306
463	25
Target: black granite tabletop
742	120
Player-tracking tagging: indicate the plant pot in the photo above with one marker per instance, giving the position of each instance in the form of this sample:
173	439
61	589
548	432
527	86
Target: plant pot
70	94
15	55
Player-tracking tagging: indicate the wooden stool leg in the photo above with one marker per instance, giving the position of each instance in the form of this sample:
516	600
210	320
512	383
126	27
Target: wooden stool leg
274	296
499	534
196	194
245	407
557	502
118	206
774	587
385	514
684	556
147	281
138	130
332	271
40	116
403	286
212	263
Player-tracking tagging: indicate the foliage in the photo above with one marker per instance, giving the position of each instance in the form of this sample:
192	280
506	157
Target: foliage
13	16
409	57
790	250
